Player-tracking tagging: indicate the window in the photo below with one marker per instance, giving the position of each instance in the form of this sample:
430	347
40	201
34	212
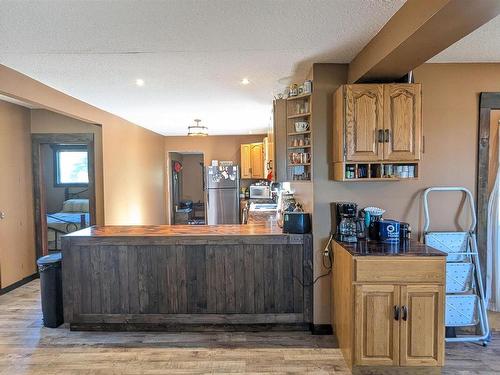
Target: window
71	167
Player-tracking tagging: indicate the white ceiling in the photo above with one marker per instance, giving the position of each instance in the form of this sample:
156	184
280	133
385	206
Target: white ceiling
482	45
191	54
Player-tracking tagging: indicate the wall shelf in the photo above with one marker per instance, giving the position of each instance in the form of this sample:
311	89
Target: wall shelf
297	97
299	115
376	171
299	110
298	147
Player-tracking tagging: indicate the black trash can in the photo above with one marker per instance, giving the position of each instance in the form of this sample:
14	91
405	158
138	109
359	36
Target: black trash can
49	267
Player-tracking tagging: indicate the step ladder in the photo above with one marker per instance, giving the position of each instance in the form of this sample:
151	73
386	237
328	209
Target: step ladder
465	298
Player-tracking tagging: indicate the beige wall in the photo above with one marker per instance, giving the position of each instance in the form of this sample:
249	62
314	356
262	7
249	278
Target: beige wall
450	118
133	157
214	147
43	121
17	236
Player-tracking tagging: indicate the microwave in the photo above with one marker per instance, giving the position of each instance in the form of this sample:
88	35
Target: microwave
260	192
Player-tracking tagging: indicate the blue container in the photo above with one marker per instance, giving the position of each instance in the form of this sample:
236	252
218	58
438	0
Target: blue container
388	231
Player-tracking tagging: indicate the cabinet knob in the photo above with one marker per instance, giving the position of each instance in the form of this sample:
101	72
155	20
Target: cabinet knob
380	136
396	312
405	312
2	215
387	135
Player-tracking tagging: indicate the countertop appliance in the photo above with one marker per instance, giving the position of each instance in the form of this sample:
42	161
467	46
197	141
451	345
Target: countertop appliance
296	222
344	220
222	185
260	192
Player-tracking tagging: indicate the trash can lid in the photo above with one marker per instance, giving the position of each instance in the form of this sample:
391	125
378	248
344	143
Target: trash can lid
49	259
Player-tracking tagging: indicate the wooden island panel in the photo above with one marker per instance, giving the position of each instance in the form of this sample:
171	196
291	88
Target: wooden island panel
241	280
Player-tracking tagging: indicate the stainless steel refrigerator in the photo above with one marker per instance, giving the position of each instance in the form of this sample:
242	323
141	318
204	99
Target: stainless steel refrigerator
222	187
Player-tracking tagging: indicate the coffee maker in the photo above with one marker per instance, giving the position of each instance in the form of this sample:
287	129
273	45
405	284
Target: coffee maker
344	216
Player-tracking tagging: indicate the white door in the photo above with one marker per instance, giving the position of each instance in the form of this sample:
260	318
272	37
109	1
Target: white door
17	238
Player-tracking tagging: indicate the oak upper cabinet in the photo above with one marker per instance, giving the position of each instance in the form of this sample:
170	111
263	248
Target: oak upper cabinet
252	160
257	160
363	122
377	330
377	122
245	161
402	121
422	316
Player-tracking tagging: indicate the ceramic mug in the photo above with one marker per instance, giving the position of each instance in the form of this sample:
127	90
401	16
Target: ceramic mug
301	126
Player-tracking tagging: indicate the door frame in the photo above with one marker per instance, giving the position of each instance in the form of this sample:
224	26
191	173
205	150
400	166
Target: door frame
37	140
488	101
169	178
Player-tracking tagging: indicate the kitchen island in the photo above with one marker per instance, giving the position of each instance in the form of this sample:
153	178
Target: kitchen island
187	277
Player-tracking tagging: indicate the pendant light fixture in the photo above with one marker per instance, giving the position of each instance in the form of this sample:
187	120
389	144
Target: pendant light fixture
197	130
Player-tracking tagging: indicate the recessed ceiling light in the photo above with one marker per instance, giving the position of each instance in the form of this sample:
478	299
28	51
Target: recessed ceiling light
139	82
245	81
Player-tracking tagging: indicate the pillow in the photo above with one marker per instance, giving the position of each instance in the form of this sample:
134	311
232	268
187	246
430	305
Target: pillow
76	205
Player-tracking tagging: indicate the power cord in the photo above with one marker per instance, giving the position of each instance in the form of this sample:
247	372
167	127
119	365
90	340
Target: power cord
327	253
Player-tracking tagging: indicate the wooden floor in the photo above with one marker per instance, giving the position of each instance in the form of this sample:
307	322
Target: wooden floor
28	348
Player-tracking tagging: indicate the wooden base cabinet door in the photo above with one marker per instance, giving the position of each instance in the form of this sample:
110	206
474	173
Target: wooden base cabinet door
422	325
376	325
364	122
402	121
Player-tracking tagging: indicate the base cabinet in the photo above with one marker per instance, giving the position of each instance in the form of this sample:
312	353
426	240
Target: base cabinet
399	325
389	312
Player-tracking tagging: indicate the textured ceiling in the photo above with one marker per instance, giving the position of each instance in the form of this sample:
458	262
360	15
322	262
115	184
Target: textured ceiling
191	54
482	45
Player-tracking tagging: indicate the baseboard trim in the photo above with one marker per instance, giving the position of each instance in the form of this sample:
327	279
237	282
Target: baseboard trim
321	329
19	283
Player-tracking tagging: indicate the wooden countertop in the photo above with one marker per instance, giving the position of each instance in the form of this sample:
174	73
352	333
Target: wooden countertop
403	248
266	228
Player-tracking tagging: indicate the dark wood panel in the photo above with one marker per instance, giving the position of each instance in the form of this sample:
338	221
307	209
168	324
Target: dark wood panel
133	280
95	280
180	255
166	280
259	285
230	306
239	279
268	279
278	280
250	281
123	280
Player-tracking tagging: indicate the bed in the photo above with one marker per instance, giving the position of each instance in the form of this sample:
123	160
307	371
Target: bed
73	216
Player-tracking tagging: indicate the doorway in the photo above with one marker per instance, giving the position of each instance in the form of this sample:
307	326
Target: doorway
187	188
64	187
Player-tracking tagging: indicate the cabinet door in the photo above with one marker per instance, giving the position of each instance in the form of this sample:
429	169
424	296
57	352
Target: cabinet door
422	325
246	171
363	122
376	326
257	160
402	121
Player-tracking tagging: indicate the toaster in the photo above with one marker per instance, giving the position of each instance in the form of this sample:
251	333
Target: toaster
296	222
